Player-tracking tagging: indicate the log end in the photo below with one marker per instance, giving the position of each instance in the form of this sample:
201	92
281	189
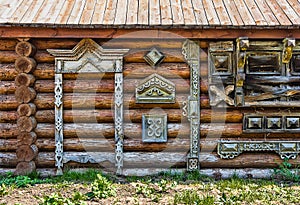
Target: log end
24	168
26	153
25	64
24	48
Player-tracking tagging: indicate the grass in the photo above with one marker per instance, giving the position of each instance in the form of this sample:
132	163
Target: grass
167	188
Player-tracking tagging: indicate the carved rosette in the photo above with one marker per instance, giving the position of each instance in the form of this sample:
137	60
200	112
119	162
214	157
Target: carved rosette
88	57
191	52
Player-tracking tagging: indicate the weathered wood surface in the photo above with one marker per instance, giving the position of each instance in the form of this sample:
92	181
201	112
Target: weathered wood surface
24	48
24	94
24	168
25	64
24	79
131	70
26	123
26	153
25	138
26	109
156	160
103	85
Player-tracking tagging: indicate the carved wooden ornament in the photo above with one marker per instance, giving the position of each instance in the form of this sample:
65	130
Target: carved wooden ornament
154	128
155	89
88	57
191	52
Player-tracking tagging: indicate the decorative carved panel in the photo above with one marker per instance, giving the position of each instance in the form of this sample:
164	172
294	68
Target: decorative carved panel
232	149
88	57
154	128
154	57
155	89
254	73
259	123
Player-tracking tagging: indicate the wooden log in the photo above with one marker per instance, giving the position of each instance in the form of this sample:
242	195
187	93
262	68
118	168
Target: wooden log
220	115
24	48
105	130
26	152
8	102
7	71
8	116
24	168
26	138
24	79
7	87
24	94
8	44
25	64
26	123
103	85
26	109
8	130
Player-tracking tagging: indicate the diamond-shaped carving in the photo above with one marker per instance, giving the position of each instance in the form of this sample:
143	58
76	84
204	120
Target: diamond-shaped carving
292	122
154	57
274	123
254	123
154	128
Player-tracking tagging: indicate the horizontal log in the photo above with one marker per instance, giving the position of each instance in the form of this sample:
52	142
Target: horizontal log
8	116
117	43
8	44
9	130
83	130
7	87
108	145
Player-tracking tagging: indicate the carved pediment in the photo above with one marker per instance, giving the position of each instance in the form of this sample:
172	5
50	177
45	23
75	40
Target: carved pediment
88	56
155	89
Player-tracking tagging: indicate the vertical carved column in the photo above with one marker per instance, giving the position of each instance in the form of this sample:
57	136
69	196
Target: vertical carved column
191	52
26	150
119	133
58	94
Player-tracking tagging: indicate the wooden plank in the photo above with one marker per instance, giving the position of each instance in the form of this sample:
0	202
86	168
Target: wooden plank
222	12
43	11
166	14
188	12
87	13
132	12
110	11
32	11
48	32
154	12
199	12
53	13
244	12
278	12
177	14
143	13
233	13
295	5
7	8
255	12
77	11
121	12
65	12
99	12
20	11
293	16
212	16
267	13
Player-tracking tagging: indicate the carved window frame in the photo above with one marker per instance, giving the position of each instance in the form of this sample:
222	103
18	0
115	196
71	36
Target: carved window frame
101	61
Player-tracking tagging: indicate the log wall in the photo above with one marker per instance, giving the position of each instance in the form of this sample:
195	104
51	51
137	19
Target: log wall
88	112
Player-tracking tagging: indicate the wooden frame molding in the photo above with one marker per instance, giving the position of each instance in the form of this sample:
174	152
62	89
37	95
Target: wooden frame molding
232	149
191	52
86	57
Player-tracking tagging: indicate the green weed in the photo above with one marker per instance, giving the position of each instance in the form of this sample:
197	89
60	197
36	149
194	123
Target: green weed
102	188
285	172
58	199
191	197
